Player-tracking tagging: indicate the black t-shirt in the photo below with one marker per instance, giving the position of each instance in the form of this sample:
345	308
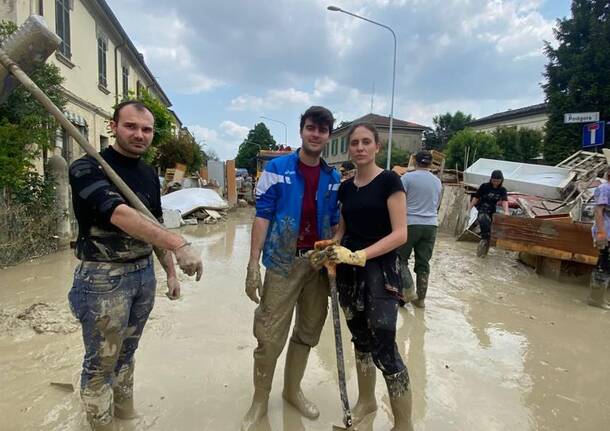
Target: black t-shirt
489	197
365	209
94	199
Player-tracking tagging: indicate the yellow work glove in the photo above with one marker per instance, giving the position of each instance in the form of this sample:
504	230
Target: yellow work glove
316	258
340	254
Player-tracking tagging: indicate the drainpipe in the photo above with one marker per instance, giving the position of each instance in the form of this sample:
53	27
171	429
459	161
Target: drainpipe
116	72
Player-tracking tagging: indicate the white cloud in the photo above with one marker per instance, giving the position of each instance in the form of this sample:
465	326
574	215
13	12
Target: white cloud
272	100
234	130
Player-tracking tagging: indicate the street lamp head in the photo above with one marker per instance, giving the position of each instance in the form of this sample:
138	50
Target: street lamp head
334	8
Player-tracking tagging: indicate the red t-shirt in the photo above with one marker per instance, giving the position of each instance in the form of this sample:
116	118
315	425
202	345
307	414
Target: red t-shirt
308	231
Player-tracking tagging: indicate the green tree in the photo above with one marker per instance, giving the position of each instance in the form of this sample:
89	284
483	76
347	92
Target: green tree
27	130
399	157
180	149
258	138
445	126
477	144
577	73
519	145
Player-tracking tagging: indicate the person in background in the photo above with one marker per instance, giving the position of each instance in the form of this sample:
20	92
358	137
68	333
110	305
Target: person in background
423	198
486	200
600	277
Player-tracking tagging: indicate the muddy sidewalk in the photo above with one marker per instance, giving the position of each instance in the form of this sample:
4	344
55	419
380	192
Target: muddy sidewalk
497	348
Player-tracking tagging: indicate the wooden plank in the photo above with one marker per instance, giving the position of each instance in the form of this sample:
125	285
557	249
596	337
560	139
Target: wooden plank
532	249
544	237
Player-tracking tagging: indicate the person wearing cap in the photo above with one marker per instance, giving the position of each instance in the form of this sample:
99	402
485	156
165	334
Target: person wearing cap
486	200
423	198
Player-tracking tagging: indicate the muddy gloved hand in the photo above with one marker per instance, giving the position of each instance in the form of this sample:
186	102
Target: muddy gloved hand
173	288
316	258
319	255
254	283
338	254
189	260
601	240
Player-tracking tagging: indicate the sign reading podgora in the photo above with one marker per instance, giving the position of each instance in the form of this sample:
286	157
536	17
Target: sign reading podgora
581	117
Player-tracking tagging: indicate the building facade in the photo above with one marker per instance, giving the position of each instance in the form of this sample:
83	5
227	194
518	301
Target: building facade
529	117
405	135
98	61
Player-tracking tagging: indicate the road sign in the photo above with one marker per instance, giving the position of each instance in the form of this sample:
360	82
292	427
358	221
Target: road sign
580	117
593	134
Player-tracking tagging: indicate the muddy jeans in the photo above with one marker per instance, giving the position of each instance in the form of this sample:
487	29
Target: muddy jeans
304	288
112	301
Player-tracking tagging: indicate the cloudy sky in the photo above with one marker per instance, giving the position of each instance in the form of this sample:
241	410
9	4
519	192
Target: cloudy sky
224	64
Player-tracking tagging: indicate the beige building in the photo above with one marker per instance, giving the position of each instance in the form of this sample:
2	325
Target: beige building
529	117
97	59
405	135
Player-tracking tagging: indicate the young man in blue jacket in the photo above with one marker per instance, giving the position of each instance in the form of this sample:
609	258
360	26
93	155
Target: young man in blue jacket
296	205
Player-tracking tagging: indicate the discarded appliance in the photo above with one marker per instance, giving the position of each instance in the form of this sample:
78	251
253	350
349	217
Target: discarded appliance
188	200
549	182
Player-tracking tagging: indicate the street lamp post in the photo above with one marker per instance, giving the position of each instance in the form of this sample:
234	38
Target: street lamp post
338	9
285	128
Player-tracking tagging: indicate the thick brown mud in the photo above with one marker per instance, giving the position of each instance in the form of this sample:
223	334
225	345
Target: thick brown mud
497	348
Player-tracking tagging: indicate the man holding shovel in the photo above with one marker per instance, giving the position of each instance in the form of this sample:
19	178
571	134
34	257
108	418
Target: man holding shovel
296	205
114	285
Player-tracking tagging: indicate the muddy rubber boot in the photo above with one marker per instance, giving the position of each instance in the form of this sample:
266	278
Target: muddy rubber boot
98	407
400	400
407	279
123	394
296	361
483	248
422	289
263	377
597	297
257	411
367	376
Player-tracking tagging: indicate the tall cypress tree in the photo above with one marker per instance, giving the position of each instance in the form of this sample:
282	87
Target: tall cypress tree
259	138
578	75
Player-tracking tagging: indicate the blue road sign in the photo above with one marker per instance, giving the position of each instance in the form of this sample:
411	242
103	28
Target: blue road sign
593	134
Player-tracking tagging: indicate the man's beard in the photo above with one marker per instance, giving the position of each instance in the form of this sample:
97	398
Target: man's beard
127	147
309	152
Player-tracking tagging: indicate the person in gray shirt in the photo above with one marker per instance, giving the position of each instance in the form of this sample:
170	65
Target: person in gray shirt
423	198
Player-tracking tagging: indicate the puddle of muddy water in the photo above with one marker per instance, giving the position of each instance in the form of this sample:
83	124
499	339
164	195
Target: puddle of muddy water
497	348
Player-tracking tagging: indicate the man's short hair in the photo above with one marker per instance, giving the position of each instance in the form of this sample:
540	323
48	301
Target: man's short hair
320	117
423	158
135	103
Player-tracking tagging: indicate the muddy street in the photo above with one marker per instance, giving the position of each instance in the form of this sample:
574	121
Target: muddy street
497	348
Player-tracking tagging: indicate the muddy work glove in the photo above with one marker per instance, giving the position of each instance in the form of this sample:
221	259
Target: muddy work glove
254	283
189	260
338	254
317	258
601	240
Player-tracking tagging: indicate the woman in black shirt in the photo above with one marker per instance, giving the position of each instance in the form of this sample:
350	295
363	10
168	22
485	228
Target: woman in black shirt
373	225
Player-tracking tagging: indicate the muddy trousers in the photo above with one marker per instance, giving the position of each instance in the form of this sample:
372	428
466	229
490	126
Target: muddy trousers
304	289
374	328
420	241
112	301
484	221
